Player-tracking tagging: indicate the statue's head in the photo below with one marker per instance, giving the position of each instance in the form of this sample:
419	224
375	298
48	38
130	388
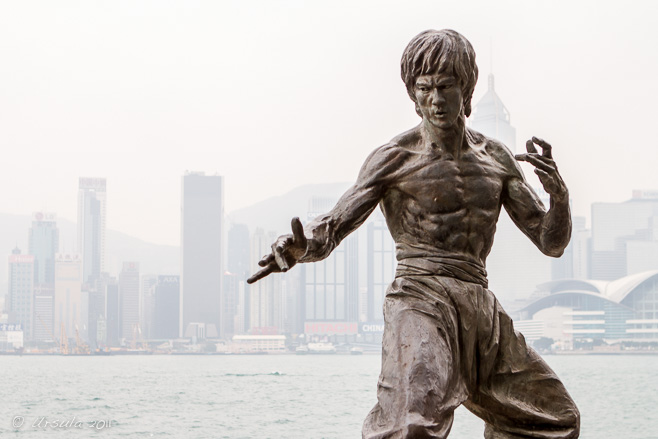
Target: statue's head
438	51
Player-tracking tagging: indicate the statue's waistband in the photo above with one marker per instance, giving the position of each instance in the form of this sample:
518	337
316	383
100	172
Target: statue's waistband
442	266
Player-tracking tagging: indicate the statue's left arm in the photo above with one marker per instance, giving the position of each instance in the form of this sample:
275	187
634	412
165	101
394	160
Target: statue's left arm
321	236
549	230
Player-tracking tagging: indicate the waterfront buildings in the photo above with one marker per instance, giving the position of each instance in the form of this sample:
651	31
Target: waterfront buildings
571	310
202	264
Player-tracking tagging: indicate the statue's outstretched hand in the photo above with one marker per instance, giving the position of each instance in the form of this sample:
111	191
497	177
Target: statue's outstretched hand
545	167
286	251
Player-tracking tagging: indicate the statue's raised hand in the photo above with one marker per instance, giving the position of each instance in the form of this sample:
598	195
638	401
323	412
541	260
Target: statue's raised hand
286	251
545	167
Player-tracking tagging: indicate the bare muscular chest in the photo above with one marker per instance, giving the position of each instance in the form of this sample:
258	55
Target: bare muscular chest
439	185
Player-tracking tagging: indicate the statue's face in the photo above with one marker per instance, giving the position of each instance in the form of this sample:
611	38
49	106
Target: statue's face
439	98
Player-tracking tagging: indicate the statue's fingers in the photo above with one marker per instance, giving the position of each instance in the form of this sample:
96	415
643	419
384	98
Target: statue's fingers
298	233
547	149
281	261
530	147
538	163
261	273
266	260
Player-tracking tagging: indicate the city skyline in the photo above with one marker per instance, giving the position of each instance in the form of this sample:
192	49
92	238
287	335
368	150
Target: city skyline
141	106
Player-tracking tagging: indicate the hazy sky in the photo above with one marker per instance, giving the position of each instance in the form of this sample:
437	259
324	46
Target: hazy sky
273	95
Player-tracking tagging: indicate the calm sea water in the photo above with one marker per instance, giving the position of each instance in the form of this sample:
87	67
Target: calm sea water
273	396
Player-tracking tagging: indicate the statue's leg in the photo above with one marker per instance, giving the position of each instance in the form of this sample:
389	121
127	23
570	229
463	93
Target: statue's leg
419	386
518	395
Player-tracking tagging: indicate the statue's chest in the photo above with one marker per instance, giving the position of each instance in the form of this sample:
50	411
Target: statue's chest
447	185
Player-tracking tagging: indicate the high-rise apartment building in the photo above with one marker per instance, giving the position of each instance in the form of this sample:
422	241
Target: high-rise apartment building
202	217
92	215
43	244
21	291
129	300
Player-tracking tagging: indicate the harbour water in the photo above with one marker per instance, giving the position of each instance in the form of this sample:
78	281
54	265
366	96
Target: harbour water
273	396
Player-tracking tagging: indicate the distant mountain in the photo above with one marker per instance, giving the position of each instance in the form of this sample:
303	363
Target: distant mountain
152	258
275	213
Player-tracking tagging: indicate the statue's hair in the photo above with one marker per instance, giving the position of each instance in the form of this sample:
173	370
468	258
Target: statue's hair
437	51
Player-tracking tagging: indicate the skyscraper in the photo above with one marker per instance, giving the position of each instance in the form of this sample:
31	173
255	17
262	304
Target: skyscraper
202	217
68	294
44	302
129	299
492	118
92	215
43	244
112	313
166	310
147	303
21	290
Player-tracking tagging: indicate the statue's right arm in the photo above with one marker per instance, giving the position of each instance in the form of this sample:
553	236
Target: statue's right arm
321	236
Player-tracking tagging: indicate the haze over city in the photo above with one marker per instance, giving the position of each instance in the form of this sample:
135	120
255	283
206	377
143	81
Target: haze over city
276	95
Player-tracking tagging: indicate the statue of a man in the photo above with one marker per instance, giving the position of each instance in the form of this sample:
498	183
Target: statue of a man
447	341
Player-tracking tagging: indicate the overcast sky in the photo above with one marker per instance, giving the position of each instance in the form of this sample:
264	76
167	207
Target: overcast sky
273	95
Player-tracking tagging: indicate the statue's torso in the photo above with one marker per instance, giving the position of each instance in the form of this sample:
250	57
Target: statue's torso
445	205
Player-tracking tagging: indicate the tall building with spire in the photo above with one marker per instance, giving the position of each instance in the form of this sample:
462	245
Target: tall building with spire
92	219
492	118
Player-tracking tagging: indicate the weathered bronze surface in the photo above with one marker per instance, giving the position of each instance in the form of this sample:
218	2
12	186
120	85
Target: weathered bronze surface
441	186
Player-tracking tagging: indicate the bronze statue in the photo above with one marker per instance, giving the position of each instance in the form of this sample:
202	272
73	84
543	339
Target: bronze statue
447	341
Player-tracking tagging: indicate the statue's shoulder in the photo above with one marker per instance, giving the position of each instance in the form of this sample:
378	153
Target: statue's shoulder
387	160
398	147
495	149
409	140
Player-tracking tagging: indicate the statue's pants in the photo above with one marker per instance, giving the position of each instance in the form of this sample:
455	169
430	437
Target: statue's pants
448	342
